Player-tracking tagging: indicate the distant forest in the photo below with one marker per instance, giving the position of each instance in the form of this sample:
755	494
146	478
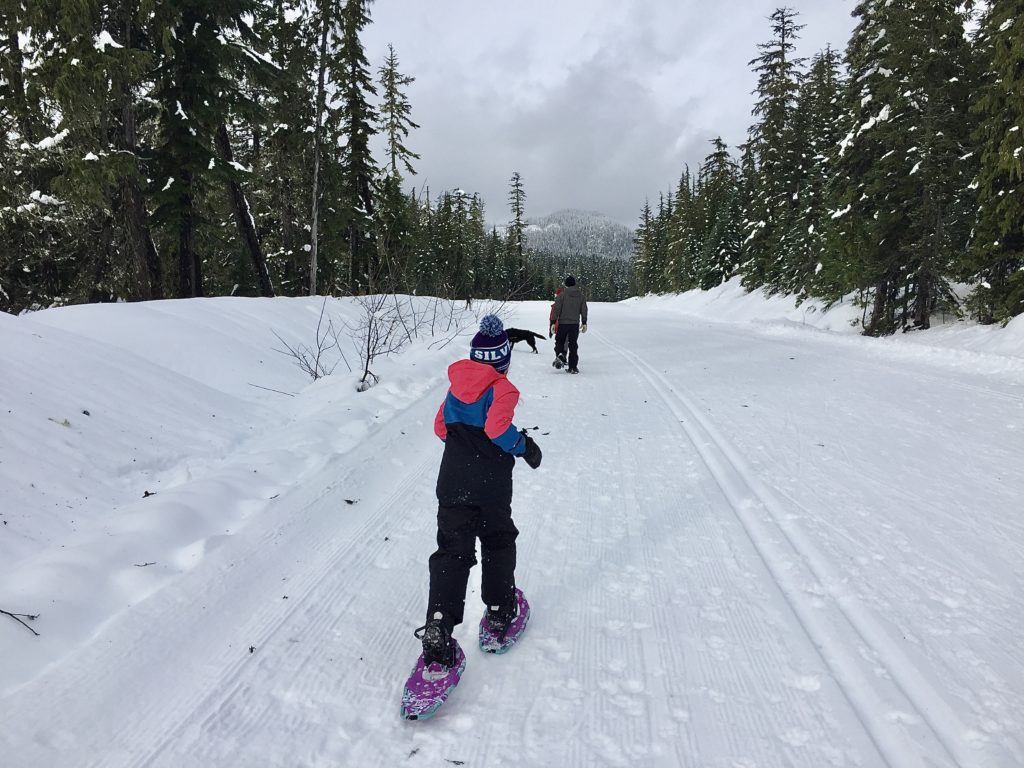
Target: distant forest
213	147
195	148
892	173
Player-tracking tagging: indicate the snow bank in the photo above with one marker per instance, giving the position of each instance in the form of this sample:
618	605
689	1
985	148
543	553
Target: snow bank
953	340
136	437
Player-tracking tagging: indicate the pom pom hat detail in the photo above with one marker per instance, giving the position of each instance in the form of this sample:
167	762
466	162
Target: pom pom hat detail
491	345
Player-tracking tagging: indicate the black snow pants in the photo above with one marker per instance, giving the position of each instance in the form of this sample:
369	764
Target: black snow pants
568	334
458	528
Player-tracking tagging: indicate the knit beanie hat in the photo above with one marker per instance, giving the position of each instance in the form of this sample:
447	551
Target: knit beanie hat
570	281
490	345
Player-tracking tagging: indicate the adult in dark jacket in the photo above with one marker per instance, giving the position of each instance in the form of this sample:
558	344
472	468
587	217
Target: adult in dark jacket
568	321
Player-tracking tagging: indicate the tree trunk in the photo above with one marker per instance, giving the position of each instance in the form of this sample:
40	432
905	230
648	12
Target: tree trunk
190	274
287	216
317	142
149	270
922	306
101	263
878	308
146	260
243	216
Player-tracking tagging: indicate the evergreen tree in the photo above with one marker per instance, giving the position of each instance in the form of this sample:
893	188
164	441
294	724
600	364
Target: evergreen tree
284	161
777	86
680	234
396	231
996	259
642	253
814	134
514	236
720	213
207	53
358	168
477	244
395	111
492	260
898	169
657	263
83	233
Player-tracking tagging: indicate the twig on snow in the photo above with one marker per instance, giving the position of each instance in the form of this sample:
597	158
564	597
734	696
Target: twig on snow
290	394
18	617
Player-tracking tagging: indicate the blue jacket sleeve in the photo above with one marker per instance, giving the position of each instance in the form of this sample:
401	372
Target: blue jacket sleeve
511	441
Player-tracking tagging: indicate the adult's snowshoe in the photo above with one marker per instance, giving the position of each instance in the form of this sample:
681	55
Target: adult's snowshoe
559	362
574	370
437	672
501	628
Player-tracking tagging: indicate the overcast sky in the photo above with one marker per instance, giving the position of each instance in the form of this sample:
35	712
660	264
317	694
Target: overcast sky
597	103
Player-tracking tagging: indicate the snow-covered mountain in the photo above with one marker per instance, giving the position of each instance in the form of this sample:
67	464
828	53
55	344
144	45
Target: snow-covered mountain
579	233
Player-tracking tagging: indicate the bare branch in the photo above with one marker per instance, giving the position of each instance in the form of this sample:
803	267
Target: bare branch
269	389
18	617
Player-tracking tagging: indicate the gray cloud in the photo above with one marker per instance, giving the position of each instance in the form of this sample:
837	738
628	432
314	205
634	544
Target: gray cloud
597	103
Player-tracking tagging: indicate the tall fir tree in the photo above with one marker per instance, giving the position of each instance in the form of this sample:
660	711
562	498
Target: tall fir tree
394	216
778	71
642	252
680	234
396	115
814	134
207	53
283	166
996	257
358	168
895	221
719	209
514	237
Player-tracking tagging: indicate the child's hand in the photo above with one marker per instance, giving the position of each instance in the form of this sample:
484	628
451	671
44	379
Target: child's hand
532	454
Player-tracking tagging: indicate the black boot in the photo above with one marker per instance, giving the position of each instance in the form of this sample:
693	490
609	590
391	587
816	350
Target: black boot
437	643
501	617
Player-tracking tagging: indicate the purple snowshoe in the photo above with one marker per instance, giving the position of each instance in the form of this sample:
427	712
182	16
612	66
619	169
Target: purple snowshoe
435	675
499	630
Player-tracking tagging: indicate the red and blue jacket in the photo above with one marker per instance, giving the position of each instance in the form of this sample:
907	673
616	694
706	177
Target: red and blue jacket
480	440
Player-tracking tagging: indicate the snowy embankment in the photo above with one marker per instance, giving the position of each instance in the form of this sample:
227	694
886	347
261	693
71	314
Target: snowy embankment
948	341
137	438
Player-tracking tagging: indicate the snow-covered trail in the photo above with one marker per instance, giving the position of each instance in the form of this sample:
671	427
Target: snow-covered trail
743	549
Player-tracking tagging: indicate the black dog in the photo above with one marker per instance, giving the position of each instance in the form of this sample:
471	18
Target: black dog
515	336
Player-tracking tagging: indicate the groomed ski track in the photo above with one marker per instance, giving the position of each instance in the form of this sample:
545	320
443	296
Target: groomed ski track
730	565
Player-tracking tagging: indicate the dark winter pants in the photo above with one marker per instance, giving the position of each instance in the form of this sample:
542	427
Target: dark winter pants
458	528
568	334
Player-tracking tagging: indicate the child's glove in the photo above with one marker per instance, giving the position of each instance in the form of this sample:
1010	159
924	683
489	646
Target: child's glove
532	455
583	328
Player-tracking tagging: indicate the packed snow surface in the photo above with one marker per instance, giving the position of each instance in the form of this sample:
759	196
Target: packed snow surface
756	539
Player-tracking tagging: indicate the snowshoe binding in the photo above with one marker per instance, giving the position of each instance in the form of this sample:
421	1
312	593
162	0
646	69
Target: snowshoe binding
560	362
501	627
437	672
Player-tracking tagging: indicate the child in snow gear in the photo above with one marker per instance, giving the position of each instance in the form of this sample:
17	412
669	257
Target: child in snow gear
474	493
568	320
554	327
